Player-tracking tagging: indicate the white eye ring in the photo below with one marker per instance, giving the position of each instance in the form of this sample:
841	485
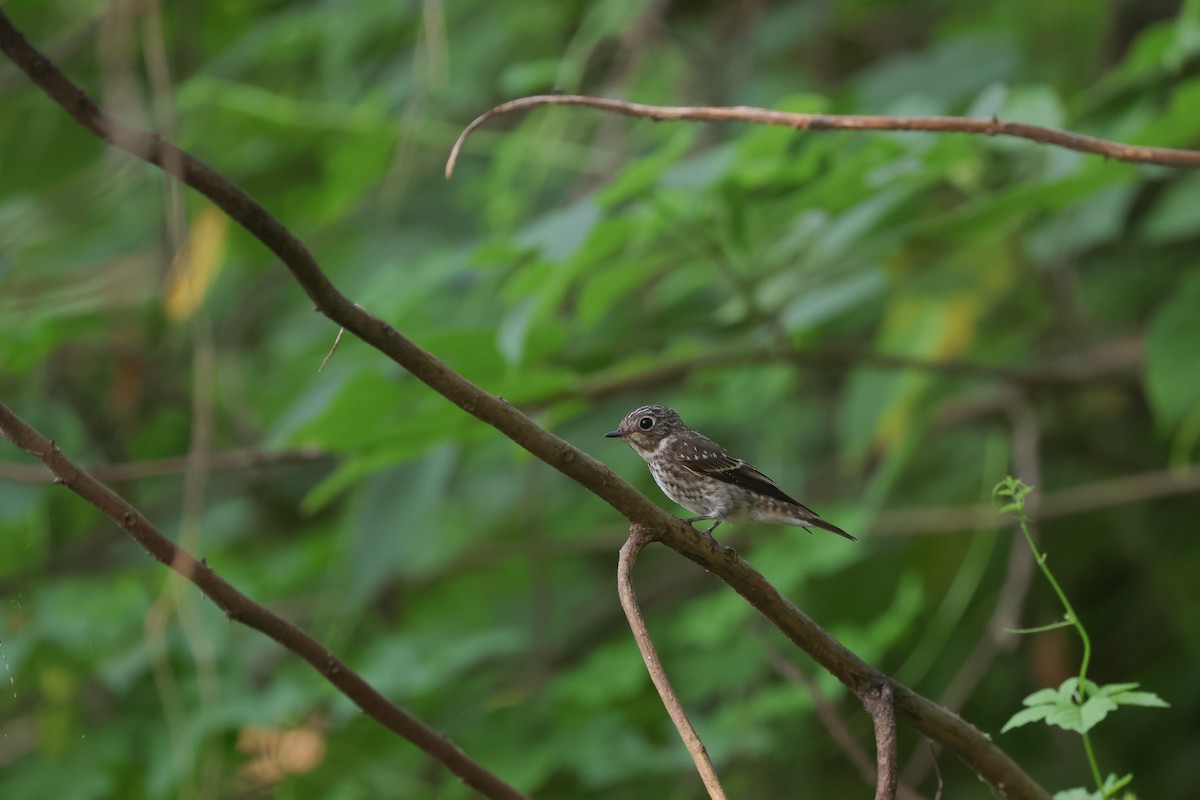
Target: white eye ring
646	423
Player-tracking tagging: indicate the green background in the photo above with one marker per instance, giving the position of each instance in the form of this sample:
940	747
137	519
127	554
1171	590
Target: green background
580	265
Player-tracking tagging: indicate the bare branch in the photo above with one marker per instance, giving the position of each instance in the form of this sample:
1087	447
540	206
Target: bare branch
240	608
1136	154
173	465
1080	499
975	749
878	702
833	723
825	711
639	537
1110	362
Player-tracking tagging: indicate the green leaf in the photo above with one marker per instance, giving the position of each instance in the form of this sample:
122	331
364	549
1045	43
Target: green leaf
823	303
510	340
338	425
641	175
1093	711
1113	784
1059	707
1172	380
1025	716
1122	694
1078	793
557	235
949	71
1149	699
1037	105
1174	216
1110	689
1097	219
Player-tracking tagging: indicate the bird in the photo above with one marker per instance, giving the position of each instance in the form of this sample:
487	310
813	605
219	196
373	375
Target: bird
705	478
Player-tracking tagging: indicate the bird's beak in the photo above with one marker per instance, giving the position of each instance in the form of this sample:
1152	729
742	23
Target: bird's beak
618	434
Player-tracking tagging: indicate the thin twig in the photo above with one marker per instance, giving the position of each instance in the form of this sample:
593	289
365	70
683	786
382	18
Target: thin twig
833	722
1082	499
826	712
639	538
1116	361
172	465
1136	154
976	750
878	702
240	608
336	341
936	771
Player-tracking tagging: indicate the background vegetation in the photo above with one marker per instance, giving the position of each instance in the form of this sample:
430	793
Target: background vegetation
580	265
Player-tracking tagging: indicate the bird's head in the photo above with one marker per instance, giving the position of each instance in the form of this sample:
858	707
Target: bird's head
645	428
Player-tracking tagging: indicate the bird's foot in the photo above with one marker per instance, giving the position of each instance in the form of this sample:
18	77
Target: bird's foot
723	549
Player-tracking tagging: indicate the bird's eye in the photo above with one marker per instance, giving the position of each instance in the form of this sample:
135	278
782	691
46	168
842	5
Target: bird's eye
646	423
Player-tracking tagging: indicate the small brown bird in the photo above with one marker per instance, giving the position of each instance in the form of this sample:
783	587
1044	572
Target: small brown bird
703	477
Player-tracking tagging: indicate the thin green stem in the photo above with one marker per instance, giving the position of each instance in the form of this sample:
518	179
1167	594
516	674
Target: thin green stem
1062	597
1091	757
1016	490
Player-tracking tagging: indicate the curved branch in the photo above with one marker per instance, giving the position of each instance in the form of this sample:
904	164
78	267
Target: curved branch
961	738
1118	151
639	538
240	608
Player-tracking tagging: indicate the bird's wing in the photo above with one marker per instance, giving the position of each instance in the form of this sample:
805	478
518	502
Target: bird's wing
710	460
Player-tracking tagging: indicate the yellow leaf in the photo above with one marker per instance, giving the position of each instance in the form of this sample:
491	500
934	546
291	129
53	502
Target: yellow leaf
933	328
196	265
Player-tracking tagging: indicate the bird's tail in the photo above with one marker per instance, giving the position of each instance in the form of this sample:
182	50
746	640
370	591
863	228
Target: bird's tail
829	526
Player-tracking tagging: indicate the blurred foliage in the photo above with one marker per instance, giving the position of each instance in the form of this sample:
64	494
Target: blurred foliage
474	585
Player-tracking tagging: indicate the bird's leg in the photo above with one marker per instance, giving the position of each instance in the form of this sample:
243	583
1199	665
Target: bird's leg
710	528
725	549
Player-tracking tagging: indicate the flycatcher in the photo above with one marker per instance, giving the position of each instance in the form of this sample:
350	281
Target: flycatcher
703	477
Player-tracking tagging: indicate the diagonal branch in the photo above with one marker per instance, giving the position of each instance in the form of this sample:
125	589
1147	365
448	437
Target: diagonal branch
639	537
961	738
240	608
1136	154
